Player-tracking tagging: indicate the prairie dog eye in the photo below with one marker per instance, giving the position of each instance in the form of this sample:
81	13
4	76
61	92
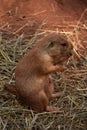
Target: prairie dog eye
64	44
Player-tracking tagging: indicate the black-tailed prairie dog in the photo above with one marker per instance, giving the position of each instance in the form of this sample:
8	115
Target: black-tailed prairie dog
33	84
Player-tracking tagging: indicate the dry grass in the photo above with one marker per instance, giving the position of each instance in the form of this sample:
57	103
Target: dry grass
73	82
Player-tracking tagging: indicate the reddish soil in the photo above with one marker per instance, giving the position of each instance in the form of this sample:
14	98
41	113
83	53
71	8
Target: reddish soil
25	16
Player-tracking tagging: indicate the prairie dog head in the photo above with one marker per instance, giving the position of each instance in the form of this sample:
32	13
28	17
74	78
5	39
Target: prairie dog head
57	47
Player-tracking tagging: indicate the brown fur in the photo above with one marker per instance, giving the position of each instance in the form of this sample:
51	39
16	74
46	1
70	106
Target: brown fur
33	85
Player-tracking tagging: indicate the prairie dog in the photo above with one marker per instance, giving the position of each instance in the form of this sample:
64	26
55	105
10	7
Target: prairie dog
33	84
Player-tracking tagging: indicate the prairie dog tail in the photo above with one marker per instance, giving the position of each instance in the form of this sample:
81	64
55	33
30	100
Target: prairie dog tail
11	88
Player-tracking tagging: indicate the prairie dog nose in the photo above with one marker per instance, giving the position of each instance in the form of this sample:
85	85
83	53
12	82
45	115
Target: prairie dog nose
70	54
